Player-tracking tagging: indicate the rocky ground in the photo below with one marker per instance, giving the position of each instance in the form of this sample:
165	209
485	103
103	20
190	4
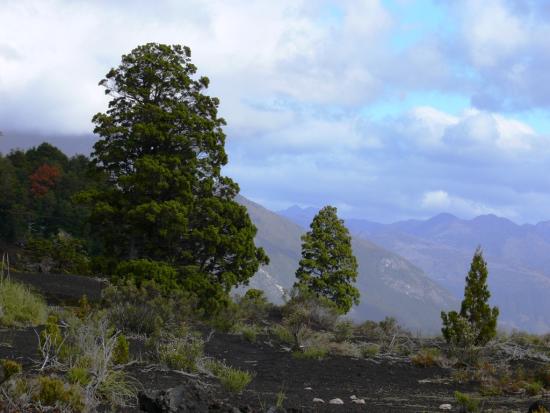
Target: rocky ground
385	384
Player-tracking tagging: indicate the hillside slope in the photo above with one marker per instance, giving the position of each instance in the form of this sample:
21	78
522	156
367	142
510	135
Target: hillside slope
518	258
389	284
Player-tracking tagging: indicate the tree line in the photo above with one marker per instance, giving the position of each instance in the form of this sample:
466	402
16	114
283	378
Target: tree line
151	203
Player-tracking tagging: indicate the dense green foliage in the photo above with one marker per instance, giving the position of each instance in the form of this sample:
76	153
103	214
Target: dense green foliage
328	267
37	187
19	306
477	322
162	147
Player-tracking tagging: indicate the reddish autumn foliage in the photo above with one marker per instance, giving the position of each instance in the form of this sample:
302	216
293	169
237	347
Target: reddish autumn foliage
43	179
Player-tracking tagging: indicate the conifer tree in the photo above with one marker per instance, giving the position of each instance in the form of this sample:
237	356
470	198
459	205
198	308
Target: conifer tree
328	267
477	321
162	147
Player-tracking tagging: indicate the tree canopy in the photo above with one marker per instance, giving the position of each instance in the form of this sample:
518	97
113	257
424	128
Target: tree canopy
328	267
162	147
476	318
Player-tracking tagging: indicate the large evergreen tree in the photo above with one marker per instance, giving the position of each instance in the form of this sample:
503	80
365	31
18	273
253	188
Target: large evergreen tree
162	146
328	267
476	318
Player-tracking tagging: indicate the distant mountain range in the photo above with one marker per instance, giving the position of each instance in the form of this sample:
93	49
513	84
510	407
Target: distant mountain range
518	257
389	284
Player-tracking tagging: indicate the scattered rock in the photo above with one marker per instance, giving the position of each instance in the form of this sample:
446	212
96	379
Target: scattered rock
317	400
445	407
336	401
353	397
183	398
308	388
538	407
173	400
358	401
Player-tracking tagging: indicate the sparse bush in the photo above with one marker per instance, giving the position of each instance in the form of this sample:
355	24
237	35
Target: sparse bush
54	392
468	403
313	352
11	368
146	310
370	330
343	331
534	388
298	325
52	331
427	357
280	399
179	351
79	375
93	343
19	306
249	332
316	312
84	308
369	350
118	388
253	306
282	333
345	348
232	379
226	320
304	313
121	351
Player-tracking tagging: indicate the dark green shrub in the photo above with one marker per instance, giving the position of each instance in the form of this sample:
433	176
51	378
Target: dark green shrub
51	331
84	308
232	379
62	254
11	368
162	274
52	392
121	351
79	375
19	306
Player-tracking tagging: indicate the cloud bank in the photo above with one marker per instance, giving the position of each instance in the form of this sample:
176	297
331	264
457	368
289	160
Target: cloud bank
388	109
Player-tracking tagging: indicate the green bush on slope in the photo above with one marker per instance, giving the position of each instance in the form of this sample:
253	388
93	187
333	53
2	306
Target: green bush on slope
19	306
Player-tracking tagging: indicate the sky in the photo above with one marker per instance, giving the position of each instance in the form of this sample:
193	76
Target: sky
388	110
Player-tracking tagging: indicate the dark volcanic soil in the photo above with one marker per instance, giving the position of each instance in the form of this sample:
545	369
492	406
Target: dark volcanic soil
386	385
61	289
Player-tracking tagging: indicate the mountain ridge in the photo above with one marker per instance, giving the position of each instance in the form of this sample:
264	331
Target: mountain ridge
389	284
518	257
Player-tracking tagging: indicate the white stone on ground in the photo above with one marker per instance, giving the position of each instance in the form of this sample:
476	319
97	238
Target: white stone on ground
358	401
445	407
317	400
336	401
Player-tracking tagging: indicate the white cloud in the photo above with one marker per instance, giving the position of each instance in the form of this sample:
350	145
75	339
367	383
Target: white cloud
54	52
492	31
439	200
473	133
